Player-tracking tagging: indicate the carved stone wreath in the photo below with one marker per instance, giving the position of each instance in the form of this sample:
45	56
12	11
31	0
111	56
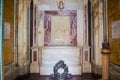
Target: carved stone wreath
60	71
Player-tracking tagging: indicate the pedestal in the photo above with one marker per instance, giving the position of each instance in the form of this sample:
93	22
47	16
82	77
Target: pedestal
105	61
86	65
34	66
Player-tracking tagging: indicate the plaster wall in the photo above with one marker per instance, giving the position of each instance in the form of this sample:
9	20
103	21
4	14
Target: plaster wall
114	15
9	43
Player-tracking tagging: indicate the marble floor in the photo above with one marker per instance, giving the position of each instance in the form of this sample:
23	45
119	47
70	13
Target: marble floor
73	78
80	77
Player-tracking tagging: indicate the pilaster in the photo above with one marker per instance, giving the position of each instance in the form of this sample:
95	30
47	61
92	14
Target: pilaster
86	65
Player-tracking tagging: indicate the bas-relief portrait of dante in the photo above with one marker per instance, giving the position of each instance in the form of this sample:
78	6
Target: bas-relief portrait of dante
60	30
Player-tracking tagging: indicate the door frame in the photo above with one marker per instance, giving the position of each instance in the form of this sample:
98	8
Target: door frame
1	40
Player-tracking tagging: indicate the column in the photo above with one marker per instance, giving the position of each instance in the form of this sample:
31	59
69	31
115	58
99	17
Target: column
105	45
86	65
34	66
105	60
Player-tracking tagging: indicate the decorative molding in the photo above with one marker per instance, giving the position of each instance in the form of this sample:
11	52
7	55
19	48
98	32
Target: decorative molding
16	2
73	25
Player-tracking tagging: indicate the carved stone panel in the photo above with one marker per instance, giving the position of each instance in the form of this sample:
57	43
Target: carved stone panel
60	30
65	23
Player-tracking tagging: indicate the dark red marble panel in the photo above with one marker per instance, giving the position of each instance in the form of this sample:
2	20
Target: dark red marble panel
86	55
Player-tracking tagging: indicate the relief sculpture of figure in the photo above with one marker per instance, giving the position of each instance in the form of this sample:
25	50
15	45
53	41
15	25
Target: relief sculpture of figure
61	35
